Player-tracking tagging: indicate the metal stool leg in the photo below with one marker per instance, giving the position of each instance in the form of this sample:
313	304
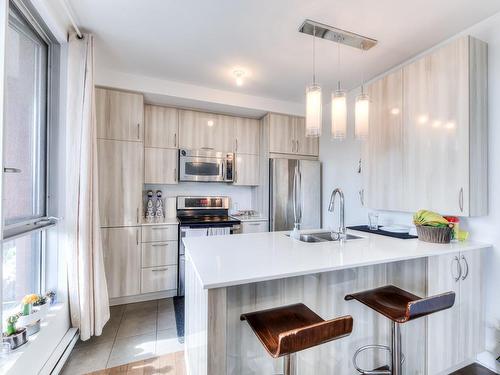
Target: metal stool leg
396	365
289	364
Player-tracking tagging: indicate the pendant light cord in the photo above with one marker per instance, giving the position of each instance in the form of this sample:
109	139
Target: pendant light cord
314	55
338	65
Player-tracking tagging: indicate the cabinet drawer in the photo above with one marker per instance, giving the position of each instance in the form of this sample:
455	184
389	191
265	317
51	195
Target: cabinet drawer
159	253
155	233
156	279
254	227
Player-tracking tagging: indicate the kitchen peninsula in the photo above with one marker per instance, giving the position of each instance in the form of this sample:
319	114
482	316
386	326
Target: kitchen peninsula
228	276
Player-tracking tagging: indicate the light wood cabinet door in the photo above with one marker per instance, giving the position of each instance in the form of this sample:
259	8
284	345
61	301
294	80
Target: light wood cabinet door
436	133
120	115
472	318
247	136
304	145
161	126
156	254
120	182
254	226
443	328
247	170
281	134
382	165
160	165
201	130
122	260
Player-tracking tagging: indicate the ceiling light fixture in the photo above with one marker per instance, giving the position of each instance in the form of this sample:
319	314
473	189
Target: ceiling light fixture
362	113
339	106
239	74
313	100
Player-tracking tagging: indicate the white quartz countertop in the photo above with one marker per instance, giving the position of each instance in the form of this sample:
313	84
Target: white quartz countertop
222	261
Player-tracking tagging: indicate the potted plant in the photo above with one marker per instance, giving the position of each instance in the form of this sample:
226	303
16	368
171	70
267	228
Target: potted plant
27	303
14	336
41	303
30	316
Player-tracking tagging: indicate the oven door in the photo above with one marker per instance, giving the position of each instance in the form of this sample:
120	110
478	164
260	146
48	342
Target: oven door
204	169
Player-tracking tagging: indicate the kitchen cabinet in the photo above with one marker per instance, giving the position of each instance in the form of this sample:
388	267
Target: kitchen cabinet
119	115
159	233
160	165
161	126
156	254
254	226
156	279
247	170
427	147
247	136
459	329
383	149
287	136
304	145
121	173
122	260
201	130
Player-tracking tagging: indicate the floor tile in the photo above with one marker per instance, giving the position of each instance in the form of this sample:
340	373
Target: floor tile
108	334
165	305
166	320
134	326
87	359
167	342
147	305
132	349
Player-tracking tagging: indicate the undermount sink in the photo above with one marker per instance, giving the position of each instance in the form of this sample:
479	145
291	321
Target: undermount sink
324	237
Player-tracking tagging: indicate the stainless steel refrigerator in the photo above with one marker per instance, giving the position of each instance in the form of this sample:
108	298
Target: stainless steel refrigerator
295	194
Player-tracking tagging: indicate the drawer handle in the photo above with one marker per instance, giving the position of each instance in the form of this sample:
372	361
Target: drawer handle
159	244
254	224
156	228
159	270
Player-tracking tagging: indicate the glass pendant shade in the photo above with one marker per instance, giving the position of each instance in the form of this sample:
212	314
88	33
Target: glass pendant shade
361	116
339	115
313	111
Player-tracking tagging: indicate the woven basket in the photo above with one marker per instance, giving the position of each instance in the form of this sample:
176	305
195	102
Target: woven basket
434	234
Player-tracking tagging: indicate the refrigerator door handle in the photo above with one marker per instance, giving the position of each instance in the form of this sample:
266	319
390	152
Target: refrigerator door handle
297	211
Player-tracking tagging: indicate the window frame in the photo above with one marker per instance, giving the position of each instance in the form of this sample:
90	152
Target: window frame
48	218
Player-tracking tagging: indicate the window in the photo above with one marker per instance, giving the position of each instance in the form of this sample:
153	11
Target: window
24	200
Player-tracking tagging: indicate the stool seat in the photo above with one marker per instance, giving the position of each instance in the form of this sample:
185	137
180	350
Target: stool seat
401	306
289	329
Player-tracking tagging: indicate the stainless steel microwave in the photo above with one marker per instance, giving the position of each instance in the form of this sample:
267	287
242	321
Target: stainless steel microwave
205	166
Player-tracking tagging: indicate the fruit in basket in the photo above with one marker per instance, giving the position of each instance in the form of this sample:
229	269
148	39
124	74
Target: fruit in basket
430	218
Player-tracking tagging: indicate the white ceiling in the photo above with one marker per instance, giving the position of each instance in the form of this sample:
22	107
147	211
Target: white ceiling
202	41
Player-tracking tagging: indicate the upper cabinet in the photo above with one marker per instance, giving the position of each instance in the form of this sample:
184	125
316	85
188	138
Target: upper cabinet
431	152
161	126
247	136
287	136
383	150
200	130
119	115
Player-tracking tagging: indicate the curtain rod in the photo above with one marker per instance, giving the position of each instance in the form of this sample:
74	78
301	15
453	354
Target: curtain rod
69	12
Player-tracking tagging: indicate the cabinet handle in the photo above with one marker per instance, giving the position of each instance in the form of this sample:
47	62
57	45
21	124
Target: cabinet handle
236	145
137	215
11	170
175	139
461	199
159	269
254	224
138	131
464	276
207	148
159	244
362	196
293	145
298	146
175	174
456	260
157	228
137	237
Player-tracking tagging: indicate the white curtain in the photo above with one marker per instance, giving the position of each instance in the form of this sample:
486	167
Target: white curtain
87	289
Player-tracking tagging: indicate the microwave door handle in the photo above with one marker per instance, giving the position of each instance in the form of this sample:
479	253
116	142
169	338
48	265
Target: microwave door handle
222	172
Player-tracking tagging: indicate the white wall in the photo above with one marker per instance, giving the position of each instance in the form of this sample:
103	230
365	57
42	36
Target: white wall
339	170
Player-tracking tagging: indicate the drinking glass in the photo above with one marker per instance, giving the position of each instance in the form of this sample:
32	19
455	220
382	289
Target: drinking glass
373	220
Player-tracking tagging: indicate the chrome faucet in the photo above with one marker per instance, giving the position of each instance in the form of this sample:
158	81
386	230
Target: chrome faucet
331	208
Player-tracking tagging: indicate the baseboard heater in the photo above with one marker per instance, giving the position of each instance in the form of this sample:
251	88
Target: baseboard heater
56	362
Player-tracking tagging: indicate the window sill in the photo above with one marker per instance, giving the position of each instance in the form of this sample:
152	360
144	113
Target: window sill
30	351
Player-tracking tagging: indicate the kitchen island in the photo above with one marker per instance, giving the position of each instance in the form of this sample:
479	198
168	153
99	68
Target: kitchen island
230	275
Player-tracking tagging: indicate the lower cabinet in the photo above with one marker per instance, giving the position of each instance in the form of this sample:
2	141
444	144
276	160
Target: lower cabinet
156	279
459	329
122	260
254	226
247	170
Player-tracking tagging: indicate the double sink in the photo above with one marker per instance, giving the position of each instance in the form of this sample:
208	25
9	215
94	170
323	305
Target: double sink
325	237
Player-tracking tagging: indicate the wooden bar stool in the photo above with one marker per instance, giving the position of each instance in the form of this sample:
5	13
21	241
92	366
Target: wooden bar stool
289	329
400	307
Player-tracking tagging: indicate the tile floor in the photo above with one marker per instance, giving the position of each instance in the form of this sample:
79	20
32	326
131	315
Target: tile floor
134	332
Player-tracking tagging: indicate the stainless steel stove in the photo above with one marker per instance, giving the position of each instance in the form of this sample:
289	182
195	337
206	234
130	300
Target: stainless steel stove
202	216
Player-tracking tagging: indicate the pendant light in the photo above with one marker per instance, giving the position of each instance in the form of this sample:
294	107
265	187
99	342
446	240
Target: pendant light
362	113
339	107
313	101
